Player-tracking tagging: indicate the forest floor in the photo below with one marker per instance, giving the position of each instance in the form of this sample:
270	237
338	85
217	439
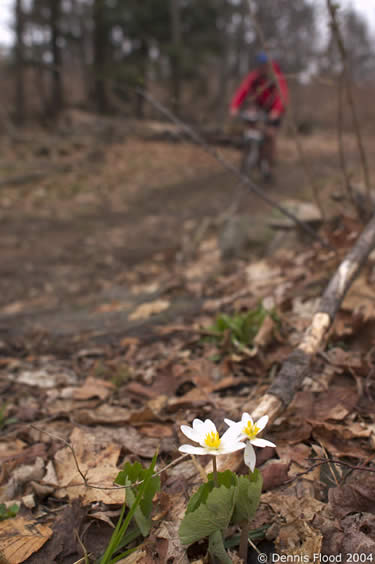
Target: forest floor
110	275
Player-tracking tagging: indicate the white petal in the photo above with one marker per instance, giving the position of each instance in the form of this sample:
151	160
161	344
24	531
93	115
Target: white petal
230	422
209	426
246	417
226	449
190	449
262	422
197	423
206	428
249	457
190	433
233	433
262	443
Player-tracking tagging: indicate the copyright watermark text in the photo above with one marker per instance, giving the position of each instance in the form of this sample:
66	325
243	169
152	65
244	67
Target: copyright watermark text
349	558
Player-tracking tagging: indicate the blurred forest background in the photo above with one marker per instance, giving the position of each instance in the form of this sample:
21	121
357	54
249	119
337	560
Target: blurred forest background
191	54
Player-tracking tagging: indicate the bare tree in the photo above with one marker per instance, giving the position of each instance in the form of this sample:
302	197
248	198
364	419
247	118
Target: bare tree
176	52
20	62
100	46
57	87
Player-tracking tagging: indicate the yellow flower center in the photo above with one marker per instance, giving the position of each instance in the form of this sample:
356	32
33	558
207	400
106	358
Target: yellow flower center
212	440
251	430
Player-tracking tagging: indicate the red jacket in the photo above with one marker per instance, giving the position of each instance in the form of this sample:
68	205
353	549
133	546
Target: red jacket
262	92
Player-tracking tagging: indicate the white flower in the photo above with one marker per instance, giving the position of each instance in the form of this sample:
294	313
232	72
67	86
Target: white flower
205	433
248	430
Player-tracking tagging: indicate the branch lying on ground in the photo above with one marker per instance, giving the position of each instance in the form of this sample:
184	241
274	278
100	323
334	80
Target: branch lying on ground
297	365
231	168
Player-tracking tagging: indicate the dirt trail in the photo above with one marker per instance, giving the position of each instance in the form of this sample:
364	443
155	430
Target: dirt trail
79	240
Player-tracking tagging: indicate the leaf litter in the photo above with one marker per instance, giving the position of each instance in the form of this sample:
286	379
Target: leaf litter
123	401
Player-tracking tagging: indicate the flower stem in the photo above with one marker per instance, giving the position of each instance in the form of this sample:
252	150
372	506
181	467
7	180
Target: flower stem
214	470
244	540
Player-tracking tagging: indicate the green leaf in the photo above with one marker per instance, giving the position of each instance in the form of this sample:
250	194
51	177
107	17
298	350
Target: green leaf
213	515
226	479
249	491
216	548
136	473
8	512
131	474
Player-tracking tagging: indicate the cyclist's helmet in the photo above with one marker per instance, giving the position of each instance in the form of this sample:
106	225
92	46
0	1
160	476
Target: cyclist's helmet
261	58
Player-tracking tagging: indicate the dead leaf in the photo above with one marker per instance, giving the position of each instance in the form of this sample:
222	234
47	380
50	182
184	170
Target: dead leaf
98	464
23	475
104	414
43	378
296	534
265	334
336	440
357	495
144	311
156	430
63	546
113	307
20	538
274	475
93	388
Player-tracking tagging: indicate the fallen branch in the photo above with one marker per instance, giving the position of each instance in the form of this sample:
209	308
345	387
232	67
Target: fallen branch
296	366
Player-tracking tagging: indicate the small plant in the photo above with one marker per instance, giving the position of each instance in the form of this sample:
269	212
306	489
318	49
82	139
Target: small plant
241	328
8	512
4	420
138	499
225	499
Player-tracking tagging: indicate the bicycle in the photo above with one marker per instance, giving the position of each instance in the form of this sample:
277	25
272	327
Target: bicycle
255	136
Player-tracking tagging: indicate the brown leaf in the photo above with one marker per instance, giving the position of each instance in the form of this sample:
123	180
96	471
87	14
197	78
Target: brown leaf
64	543
156	430
146	310
357	495
335	403
104	414
93	388
336	440
98	464
274	475
297	535
20	538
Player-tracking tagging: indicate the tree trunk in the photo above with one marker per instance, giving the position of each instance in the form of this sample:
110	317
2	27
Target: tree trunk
176	53
101	42
56	102
143	62
20	63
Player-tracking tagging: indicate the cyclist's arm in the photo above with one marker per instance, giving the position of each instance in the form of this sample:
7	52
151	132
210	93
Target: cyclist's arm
244	89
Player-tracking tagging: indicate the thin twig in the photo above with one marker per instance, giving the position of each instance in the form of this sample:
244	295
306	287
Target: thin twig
340	141
70	447
109	488
321	461
336	31
85	557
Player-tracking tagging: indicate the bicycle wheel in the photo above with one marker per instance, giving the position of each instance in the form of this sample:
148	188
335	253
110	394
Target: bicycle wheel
250	158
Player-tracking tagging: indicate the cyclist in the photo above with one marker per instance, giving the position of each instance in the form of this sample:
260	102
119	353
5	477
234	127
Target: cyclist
261	91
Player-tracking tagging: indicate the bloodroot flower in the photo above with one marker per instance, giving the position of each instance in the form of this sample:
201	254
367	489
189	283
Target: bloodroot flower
205	433
248	430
